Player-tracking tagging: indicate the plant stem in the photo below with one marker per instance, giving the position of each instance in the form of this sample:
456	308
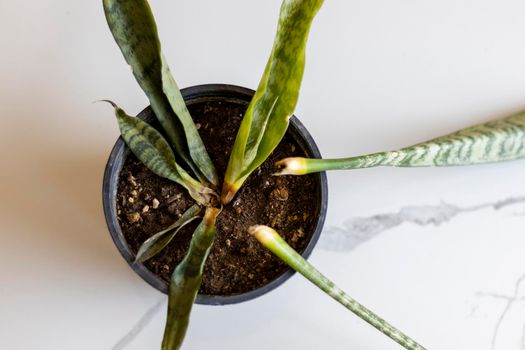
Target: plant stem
272	241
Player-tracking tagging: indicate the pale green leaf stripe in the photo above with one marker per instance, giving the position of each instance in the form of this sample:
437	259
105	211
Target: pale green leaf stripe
494	141
273	242
135	31
186	281
153	245
267	116
155	153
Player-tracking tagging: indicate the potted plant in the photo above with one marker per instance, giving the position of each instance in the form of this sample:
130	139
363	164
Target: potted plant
265	194
193	206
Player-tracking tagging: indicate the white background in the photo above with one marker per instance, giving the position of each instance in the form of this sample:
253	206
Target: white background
430	250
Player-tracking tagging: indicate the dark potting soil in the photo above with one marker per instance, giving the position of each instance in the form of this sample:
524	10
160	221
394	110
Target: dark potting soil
237	263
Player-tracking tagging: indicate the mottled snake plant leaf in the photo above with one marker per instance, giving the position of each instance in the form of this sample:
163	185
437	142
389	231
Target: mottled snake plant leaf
135	31
155	153
494	141
267	116
158	241
274	242
186	281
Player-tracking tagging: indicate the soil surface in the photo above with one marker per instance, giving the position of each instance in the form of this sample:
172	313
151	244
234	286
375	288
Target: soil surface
237	263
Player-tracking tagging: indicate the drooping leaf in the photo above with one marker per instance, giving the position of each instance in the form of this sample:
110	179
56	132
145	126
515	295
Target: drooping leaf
155	153
135	31
158	241
267	116
273	242
495	141
186	281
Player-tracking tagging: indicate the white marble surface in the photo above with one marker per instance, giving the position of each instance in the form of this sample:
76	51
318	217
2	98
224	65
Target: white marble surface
438	252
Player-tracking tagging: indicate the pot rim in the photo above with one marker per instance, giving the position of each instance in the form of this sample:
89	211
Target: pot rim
116	161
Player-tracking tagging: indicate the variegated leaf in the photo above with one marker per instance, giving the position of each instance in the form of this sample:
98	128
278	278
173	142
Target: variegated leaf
278	246
267	116
495	141
155	153
135	31
186	281
158	241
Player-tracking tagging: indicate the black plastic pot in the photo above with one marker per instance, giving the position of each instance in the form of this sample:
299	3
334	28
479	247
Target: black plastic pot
118	156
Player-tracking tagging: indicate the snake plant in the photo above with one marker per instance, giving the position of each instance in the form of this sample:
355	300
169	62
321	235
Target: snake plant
494	141
278	246
266	120
263	126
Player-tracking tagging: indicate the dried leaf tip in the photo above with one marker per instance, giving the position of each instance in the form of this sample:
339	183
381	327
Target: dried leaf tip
108	101
291	166
262	233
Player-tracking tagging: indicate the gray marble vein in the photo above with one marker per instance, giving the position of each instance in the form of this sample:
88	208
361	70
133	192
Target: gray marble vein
358	230
139	326
510	301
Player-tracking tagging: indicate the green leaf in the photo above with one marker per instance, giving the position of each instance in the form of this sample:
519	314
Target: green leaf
158	241
273	242
155	153
495	141
267	116
186	281
135	31
196	147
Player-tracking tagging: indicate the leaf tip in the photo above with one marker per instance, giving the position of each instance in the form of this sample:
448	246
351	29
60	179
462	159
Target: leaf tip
138	260
262	233
113	104
291	166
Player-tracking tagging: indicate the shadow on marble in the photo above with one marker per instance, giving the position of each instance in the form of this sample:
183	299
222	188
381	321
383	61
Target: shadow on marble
58	206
